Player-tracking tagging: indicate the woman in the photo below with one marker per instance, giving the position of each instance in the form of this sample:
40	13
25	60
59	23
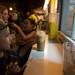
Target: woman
26	37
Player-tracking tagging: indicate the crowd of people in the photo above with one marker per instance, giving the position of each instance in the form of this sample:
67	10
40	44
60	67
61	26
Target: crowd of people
17	36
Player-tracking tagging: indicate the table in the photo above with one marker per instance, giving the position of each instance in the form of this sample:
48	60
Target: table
47	62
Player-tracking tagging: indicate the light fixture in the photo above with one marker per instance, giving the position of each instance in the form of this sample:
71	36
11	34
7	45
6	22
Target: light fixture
10	8
46	4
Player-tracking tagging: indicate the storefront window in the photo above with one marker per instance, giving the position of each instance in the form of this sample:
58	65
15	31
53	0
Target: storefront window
68	18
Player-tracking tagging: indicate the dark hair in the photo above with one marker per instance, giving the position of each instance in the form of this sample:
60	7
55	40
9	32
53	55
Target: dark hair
26	21
32	21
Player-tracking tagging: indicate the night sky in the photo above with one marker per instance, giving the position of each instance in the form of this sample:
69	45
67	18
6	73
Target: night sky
26	5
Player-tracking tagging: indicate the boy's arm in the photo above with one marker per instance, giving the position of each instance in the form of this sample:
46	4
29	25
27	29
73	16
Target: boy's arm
23	35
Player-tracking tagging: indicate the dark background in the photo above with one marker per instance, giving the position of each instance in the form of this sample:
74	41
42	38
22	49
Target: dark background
24	5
